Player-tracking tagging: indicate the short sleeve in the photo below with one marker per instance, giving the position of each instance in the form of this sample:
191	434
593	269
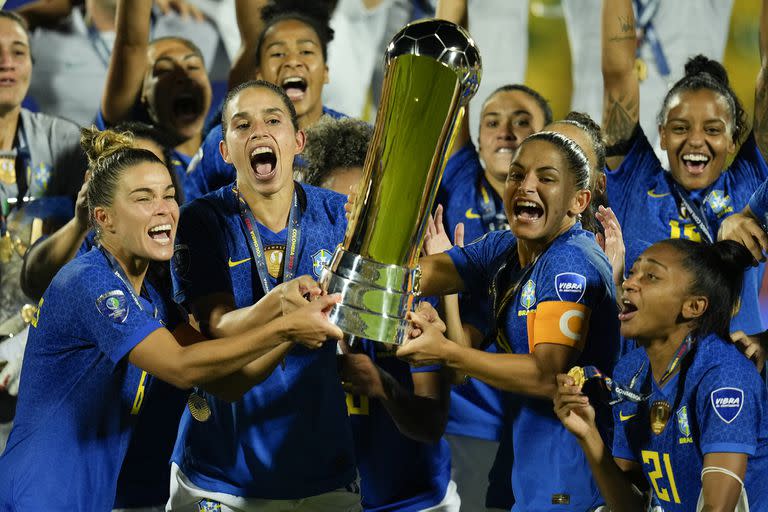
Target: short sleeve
566	295
729	406
199	263
625	181
624	412
758	203
478	262
110	317
621	448
748	168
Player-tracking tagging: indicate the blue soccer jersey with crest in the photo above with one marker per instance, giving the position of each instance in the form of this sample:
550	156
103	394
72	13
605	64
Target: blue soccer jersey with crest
208	171
288	437
476	409
717	404
758	203
641	193
79	396
397	473
566	299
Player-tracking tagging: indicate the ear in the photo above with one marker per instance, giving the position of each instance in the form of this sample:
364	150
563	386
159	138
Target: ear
580	202
224	151
694	307
258	74
731	148
662	137
103	218
301	140
601	183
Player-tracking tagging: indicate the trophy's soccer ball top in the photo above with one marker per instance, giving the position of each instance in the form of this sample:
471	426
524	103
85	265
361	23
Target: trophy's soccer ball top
445	42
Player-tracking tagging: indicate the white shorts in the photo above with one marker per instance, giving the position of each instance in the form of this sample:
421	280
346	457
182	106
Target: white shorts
187	497
450	503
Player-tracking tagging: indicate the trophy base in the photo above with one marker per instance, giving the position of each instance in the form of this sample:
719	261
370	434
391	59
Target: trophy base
375	298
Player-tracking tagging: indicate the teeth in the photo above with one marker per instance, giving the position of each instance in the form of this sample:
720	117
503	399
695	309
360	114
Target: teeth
162	227
293	80
696	158
260	150
504	150
529	204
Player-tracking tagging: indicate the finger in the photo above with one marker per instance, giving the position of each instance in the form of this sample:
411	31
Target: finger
163	6
324	302
439	218
564	379
458	235
196	13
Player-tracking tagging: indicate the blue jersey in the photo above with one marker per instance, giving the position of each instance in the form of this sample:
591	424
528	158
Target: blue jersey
641	193
208	171
717	404
289	437
567	298
79	396
179	161
476	409
397	473
758	203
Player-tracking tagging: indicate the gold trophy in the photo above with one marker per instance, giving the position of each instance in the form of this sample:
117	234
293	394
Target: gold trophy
432	69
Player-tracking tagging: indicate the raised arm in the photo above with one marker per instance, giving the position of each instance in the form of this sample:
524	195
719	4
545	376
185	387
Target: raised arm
250	25
621	88
456	11
760	122
128	62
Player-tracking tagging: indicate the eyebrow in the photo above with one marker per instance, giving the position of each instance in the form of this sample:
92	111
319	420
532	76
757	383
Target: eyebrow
148	190
270	110
300	41
184	58
515	113
655	262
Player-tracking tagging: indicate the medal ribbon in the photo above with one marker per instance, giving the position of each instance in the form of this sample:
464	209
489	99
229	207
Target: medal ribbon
120	274
291	243
646	10
697	214
622	393
492	220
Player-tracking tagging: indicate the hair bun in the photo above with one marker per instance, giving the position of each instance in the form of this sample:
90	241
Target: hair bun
732	257
316	9
99	144
701	64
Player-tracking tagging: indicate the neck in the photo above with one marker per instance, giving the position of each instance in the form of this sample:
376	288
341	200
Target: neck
100	18
662	350
190	146
310	117
9	122
271	210
496	183
134	267
529	250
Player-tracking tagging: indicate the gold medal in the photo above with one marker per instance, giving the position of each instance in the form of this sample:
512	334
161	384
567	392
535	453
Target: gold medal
660	412
8	169
6	248
198	407
28	312
561	499
642	69
577	373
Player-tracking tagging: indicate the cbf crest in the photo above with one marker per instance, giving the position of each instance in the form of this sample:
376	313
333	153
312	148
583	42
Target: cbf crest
528	295
320	259
682	421
719	202
113	305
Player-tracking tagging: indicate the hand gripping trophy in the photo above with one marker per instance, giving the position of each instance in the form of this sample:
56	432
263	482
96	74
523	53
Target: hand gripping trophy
432	70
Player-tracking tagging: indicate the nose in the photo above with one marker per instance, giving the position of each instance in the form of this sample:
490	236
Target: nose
505	131
630	283
528	183
696	136
6	60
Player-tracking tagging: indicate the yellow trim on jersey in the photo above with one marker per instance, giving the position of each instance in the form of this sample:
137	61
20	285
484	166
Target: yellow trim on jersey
653	193
561	323
470	214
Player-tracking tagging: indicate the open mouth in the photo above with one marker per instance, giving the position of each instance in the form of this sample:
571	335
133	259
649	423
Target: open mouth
263	162
695	163
7	81
505	150
186	107
527	211
294	87
161	234
628	310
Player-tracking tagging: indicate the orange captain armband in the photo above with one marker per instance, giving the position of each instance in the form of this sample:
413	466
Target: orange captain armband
561	323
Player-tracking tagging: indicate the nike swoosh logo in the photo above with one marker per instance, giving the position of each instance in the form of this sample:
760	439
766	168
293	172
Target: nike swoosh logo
625	418
470	214
653	193
236	263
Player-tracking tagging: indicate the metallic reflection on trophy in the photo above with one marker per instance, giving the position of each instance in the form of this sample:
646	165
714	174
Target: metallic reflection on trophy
432	69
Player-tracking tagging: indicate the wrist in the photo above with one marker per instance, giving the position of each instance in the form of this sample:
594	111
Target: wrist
591	441
451	355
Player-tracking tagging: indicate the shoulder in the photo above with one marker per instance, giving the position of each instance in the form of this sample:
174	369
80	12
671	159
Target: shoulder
577	252
719	359
322	203
333	113
216	203
84	275
38	121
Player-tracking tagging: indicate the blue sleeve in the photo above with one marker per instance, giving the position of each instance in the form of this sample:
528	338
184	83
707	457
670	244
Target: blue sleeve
478	262
748	167
111	319
461	165
570	277
758	203
199	263
622	413
625	181
208	171
729	408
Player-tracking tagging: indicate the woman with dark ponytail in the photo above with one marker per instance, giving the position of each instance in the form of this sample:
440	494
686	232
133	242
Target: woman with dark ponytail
690	418
701	125
103	333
